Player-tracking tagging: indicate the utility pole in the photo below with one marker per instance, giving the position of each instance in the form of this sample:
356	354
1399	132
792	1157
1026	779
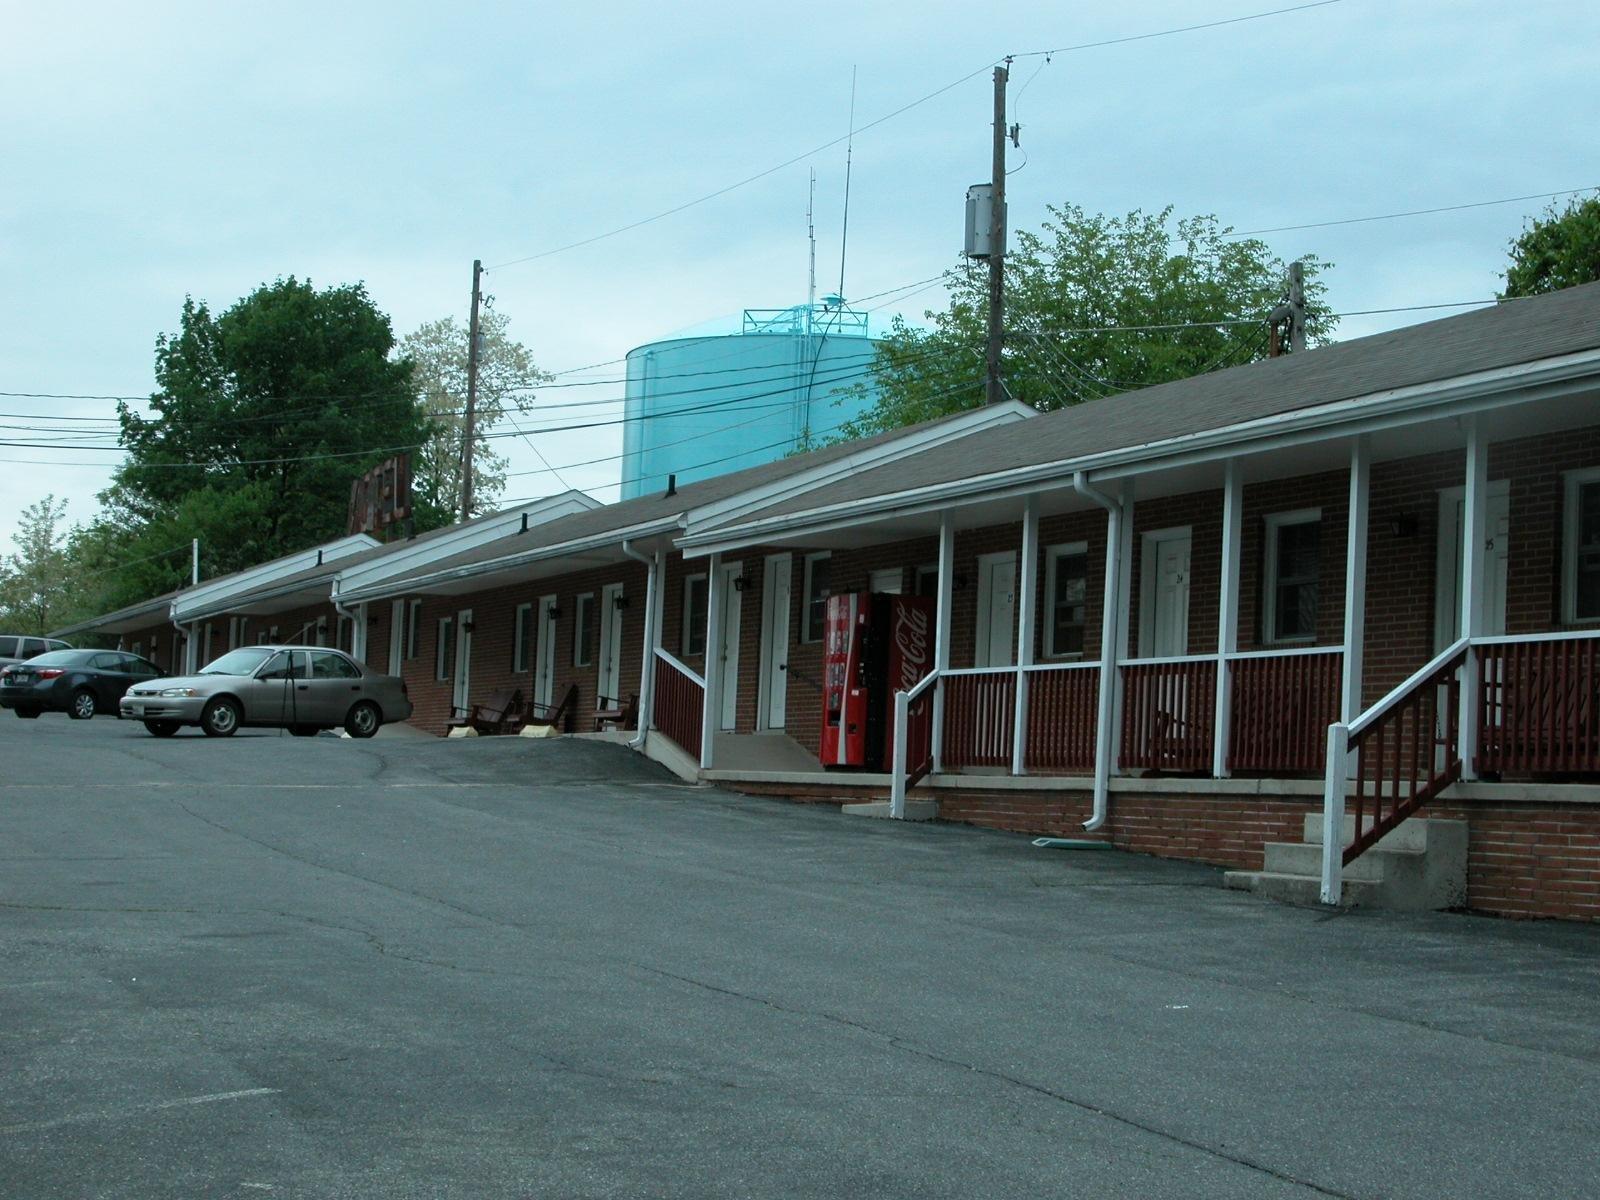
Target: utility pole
195	561
994	389
472	391
1297	307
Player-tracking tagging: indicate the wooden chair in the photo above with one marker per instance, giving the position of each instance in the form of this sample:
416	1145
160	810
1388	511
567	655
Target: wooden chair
618	716
495	715
554	716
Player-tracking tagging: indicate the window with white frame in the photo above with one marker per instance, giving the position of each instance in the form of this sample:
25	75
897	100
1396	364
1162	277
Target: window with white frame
522	639
322	631
444	653
692	640
413	622
583	630
928	581
818	589
1580	585
1066	598
1291	571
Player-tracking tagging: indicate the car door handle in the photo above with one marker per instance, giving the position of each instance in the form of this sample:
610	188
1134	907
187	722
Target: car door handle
302	687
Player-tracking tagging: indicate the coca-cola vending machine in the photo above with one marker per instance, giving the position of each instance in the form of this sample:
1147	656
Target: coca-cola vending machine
875	644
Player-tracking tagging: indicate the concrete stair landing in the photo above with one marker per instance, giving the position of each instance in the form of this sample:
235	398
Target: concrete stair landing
1421	866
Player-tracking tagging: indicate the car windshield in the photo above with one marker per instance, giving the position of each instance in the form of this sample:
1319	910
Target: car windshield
61	658
238	662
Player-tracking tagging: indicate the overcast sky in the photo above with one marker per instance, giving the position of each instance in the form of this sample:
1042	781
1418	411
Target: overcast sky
152	151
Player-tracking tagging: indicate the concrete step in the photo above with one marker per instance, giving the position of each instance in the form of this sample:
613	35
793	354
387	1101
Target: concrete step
916	810
1303	890
1304	858
1411	834
1409	880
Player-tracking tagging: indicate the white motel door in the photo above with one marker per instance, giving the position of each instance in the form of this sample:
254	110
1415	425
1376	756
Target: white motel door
1496	553
463	668
775	600
1169	612
732	600
997	611
609	690
544	654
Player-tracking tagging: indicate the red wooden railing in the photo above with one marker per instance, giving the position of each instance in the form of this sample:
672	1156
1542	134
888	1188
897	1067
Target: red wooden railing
979	716
1061	718
1168	707
919	737
679	703
1539	704
1282	707
1407	750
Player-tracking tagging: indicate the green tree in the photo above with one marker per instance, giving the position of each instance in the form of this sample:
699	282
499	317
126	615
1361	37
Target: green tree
1082	296
35	583
263	417
506	379
1559	250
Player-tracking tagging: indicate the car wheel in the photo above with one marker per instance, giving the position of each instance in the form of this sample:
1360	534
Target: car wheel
363	720
161	728
28	714
220	718
83	705
304	730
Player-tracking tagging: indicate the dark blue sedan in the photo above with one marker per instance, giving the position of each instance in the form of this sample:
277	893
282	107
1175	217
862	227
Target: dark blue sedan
79	683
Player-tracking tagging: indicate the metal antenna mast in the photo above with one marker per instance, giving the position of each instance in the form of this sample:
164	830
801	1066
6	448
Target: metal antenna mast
849	154
811	236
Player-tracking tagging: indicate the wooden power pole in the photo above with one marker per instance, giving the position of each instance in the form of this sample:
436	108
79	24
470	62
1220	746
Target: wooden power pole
1297	307
472	391
994	388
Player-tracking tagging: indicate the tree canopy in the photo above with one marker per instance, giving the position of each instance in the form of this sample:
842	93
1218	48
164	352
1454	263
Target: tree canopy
1094	305
1559	250
506	378
36	593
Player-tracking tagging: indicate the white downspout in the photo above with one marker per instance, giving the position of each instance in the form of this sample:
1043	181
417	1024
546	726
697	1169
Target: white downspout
358	627
1110	625
647	665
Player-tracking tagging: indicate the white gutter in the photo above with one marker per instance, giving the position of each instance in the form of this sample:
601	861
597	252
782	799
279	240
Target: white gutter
647	669
1394	406
1110	626
358	627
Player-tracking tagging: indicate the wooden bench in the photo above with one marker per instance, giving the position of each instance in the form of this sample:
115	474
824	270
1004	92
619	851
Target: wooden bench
557	716
500	713
618	716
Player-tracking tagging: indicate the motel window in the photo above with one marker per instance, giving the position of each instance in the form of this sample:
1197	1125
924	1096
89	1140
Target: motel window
413	622
444	658
1066	590
322	631
583	631
347	635
522	638
818	570
928	581
138	648
693	639
1293	568
1581	556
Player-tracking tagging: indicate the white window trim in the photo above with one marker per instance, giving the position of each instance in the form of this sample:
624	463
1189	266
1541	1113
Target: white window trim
812	559
1269	575
519	635
686	634
1052	554
922	572
899	587
443	670
1573	481
582	615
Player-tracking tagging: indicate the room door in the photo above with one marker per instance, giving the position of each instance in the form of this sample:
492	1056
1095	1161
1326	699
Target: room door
731	604
996	641
1164	631
1452	515
776	580
544	654
608	690
462	691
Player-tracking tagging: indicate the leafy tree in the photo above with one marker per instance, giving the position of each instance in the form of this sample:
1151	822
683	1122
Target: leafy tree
35	588
1081	297
263	417
1559	250
506	378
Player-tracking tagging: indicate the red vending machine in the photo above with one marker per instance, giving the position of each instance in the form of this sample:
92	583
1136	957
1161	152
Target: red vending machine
875	645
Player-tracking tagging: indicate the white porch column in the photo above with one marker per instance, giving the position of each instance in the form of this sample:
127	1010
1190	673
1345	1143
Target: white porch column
1474	538
1028	586
944	594
711	706
649	639
1113	636
1124	616
1227	614
191	648
1355	579
358	634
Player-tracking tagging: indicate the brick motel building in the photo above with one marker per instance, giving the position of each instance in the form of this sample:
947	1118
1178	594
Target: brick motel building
1330	620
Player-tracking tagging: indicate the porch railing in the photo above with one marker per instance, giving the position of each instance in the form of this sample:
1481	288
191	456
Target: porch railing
678	703
979	711
1282	704
1062	703
1168	709
1538	703
913	740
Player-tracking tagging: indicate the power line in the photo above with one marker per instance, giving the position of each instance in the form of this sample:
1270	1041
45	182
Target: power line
1161	33
1415	212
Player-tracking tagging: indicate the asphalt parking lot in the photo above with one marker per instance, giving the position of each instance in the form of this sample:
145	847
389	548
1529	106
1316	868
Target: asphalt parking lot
504	968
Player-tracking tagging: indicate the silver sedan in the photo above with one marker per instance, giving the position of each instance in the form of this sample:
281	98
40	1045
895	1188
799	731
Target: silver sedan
304	689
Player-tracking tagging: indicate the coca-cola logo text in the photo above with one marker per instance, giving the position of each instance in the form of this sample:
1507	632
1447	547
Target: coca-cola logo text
911	639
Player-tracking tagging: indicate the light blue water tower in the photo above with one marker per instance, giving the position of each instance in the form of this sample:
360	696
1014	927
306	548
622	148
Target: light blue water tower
703	406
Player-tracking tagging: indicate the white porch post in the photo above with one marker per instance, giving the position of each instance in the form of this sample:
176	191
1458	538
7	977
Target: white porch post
1028	581
941	631
1227	614
1474	537
1124	616
650	636
1355	578
191	648
711	706
1113	633
1333	785
358	635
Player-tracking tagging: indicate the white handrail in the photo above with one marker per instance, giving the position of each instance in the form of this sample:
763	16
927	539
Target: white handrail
1064	666
1433	666
1239	654
953	671
922	685
678	666
898	769
1565	635
1170	661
